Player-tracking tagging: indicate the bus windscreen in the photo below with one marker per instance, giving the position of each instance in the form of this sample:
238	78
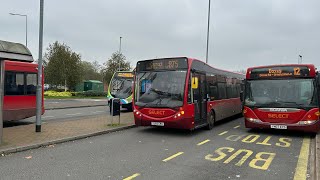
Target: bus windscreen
121	85
160	89
281	93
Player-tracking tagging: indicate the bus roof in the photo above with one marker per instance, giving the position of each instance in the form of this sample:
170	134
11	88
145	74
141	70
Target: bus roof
281	70
222	70
225	72
14	51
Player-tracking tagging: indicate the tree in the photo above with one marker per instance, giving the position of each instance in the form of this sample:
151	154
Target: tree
63	66
112	65
242	71
91	71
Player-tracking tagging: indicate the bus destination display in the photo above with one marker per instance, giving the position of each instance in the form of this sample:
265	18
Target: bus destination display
162	64
125	74
278	72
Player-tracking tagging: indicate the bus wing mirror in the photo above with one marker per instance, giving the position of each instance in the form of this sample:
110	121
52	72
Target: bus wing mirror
241	96
194	83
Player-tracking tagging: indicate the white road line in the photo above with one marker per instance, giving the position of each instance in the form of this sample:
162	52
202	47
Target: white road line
98	112
47	116
73	114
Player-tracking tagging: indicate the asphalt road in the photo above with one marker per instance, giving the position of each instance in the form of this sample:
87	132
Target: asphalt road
65	114
63	103
229	151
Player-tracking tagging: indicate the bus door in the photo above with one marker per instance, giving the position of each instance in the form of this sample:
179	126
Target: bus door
200	98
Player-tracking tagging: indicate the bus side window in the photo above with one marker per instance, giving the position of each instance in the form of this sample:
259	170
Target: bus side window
31	84
222	90
213	92
189	91
14	83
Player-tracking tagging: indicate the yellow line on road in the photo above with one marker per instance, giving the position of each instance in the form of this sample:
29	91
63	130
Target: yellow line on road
302	165
173	156
225	132
203	142
132	177
236	127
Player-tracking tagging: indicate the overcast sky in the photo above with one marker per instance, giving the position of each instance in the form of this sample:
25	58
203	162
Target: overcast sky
243	32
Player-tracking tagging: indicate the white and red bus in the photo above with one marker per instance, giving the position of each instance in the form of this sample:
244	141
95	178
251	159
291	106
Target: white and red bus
20	82
282	97
184	93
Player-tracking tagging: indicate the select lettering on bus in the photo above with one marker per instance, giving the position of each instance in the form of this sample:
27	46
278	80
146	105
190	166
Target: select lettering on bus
155	112
278	116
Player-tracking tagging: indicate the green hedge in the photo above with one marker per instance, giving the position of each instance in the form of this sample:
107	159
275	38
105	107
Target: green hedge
75	94
57	94
91	94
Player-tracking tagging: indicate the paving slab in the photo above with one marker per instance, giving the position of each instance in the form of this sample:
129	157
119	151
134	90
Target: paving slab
73	103
20	138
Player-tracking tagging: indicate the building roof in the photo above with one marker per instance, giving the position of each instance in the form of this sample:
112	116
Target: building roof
93	81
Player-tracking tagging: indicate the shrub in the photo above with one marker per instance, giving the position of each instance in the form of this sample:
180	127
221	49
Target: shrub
91	93
57	94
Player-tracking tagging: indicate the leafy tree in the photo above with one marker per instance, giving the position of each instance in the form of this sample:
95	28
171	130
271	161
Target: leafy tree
112	65
91	71
63	66
242	71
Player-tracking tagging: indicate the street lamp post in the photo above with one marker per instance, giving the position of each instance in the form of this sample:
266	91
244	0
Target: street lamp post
26	16
208	30
39	83
300	59
119	54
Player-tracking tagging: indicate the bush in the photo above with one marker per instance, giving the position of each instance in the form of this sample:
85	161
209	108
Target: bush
91	93
57	94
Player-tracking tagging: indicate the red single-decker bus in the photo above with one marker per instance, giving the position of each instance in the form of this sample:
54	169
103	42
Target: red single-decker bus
184	93
282	97
20	84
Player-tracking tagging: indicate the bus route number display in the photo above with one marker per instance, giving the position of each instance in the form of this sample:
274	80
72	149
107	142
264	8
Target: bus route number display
280	72
162	64
127	75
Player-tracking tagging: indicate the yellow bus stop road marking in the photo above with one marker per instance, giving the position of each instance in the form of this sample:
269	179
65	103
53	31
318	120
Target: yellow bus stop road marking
132	177
302	165
236	127
203	142
225	132
173	156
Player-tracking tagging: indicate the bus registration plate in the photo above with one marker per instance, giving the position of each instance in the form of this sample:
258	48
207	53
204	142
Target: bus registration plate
279	126
157	123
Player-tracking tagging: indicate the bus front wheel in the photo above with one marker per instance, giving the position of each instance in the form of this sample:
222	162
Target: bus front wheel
211	120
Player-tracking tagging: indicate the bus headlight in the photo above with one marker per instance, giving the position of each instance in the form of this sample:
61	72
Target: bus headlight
305	122
254	120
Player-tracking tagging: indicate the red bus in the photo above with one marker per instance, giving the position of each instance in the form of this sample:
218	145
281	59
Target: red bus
20	81
20	86
282	97
184	93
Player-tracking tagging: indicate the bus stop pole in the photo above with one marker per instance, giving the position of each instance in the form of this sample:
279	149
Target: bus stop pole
1	97
39	86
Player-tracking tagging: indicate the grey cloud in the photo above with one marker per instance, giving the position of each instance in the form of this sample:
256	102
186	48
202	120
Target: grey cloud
243	33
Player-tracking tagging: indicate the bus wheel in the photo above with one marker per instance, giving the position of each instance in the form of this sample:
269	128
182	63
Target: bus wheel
211	120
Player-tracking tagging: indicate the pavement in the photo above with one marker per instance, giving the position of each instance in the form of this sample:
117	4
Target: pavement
71	113
20	138
228	151
73	103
